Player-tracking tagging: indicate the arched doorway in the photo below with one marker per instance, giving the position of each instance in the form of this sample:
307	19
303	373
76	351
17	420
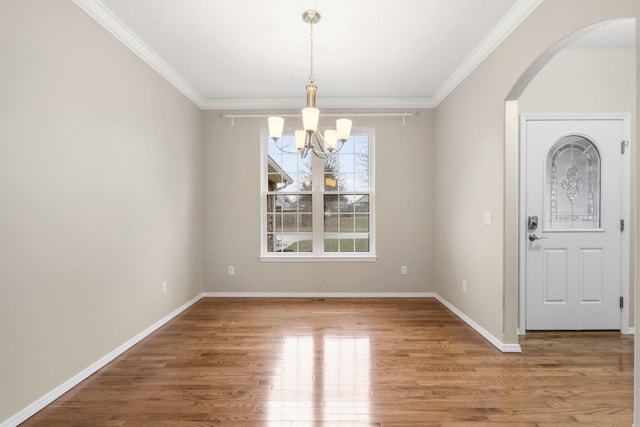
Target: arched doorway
552	84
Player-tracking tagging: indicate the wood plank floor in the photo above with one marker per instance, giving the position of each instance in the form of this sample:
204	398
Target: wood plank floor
343	362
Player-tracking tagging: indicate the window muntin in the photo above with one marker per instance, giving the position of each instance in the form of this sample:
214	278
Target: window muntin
315	207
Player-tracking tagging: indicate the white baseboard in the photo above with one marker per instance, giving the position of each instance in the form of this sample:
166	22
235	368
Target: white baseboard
48	398
319	294
505	348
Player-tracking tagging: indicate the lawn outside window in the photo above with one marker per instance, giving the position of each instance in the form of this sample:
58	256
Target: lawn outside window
317	209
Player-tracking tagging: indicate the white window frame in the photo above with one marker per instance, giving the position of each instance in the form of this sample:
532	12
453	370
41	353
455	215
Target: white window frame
318	254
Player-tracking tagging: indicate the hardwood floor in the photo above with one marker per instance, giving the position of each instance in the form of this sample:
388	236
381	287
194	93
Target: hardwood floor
342	362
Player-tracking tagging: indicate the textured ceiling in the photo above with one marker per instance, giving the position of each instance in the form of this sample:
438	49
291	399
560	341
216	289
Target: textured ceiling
230	54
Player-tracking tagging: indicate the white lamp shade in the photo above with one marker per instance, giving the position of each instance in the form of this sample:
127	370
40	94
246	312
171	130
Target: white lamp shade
310	118
276	124
331	139
343	127
301	139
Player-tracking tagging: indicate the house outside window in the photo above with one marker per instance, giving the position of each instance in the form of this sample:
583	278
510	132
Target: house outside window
318	209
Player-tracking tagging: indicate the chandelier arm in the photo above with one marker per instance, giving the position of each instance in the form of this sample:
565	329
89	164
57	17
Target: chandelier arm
321	139
315	145
318	148
318	153
281	147
337	150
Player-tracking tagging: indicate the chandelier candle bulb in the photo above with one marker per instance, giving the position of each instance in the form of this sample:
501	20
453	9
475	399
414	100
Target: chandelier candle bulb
301	139
276	125
343	128
310	118
331	138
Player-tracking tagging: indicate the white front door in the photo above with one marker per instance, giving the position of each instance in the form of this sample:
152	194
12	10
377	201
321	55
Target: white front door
573	213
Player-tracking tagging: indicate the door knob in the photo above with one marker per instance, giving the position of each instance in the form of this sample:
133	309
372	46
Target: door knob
533	237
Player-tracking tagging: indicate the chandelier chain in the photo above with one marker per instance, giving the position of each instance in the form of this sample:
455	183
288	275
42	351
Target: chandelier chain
311	78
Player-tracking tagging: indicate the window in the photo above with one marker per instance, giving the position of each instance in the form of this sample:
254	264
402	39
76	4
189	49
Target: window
318	208
572	193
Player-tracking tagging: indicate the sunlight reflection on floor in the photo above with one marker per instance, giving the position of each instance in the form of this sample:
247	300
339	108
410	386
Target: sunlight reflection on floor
328	374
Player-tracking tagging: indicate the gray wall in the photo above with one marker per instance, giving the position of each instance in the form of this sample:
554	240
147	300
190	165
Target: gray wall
404	213
101	197
583	81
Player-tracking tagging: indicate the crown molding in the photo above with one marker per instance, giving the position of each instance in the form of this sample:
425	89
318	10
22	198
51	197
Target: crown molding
510	22
326	102
111	23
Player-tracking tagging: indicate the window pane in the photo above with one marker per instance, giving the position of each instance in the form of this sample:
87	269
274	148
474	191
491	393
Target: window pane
286	171
289	222
331	182
361	144
572	193
330	204
346	245
300	242
362	223
361	203
306	222
332	173
362	245
275	203
271	223
305	203
346	163
331	223
305	242
331	243
347	223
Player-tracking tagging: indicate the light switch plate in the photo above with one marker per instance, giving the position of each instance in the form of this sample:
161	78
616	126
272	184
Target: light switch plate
488	218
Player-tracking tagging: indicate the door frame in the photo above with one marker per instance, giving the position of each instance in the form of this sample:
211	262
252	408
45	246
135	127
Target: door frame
625	197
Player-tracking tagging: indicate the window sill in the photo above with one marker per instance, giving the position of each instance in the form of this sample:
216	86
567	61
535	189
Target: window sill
316	258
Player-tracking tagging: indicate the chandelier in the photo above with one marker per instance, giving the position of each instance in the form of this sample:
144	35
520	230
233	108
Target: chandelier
309	138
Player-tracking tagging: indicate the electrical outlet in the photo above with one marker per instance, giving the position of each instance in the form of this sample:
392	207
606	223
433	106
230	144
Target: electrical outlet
231	270
403	270
464	286
164	288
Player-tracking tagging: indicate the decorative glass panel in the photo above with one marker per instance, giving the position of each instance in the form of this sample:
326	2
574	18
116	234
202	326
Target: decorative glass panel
572	188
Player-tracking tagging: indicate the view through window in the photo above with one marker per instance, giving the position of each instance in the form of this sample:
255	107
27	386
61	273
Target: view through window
315	206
